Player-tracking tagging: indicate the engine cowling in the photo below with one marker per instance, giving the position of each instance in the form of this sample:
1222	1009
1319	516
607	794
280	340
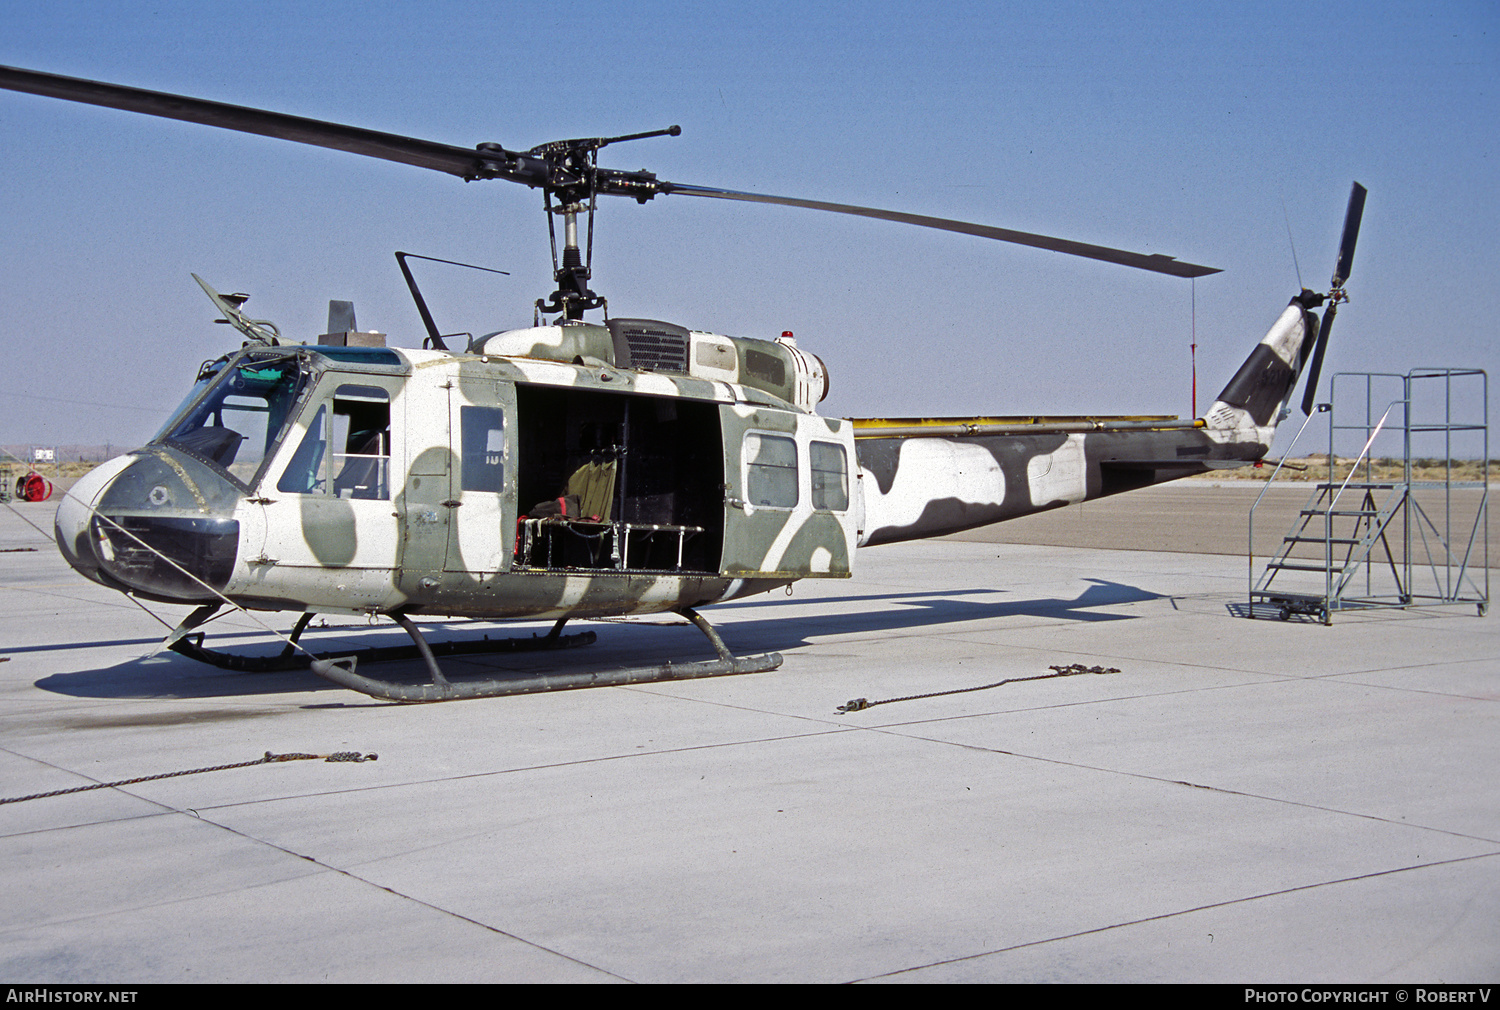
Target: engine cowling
778	367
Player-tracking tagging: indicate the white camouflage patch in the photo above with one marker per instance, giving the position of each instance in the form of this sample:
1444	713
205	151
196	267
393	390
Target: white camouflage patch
929	470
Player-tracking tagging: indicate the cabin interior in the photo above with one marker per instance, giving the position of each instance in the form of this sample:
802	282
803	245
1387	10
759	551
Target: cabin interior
618	482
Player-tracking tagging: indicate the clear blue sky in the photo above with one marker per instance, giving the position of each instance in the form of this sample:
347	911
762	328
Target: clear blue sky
1192	129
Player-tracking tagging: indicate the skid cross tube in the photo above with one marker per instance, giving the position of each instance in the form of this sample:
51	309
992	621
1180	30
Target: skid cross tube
192	647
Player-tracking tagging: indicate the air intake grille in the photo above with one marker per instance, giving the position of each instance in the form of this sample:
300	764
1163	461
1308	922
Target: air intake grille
650	345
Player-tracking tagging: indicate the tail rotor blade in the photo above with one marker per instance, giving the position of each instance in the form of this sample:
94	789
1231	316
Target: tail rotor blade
1352	218
1311	393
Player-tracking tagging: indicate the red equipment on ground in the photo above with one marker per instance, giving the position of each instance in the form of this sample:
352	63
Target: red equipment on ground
33	487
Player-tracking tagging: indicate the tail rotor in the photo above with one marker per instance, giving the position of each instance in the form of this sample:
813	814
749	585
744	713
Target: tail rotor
1352	217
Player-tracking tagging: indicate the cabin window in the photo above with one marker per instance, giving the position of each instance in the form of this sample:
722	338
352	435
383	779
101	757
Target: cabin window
483	448
770	470
830	481
346	452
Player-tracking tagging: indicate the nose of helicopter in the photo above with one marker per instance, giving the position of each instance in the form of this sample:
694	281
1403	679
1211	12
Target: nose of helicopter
158	523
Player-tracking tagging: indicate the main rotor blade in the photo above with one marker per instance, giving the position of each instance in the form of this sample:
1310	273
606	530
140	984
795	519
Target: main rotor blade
1157	262
459	161
1352	217
490	161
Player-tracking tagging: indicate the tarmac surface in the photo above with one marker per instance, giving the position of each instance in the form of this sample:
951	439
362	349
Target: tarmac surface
1204	517
1244	801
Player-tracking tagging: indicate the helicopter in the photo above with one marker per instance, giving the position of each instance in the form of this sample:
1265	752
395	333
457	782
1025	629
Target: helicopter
579	469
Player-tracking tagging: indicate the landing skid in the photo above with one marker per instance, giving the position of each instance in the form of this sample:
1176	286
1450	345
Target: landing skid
341	670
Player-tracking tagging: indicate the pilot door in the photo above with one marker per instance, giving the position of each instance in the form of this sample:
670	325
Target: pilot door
457	504
330	537
787	494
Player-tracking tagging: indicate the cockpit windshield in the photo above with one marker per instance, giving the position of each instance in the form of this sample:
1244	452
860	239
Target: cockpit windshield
234	424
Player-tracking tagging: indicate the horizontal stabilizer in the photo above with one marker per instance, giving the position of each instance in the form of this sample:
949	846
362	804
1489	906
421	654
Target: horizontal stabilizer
1174	464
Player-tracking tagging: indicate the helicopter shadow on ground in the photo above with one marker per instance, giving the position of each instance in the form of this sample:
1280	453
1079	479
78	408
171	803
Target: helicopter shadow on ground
918	610
620	643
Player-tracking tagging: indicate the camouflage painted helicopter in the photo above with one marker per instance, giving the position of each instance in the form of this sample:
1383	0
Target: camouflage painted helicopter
579	469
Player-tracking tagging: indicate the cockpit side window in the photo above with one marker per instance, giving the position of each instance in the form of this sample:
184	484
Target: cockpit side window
306	473
346	452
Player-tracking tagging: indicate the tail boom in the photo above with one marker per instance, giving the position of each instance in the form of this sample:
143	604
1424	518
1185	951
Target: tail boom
930	477
928	486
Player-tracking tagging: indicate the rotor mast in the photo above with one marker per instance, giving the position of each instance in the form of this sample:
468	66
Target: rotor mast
573	178
573	296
